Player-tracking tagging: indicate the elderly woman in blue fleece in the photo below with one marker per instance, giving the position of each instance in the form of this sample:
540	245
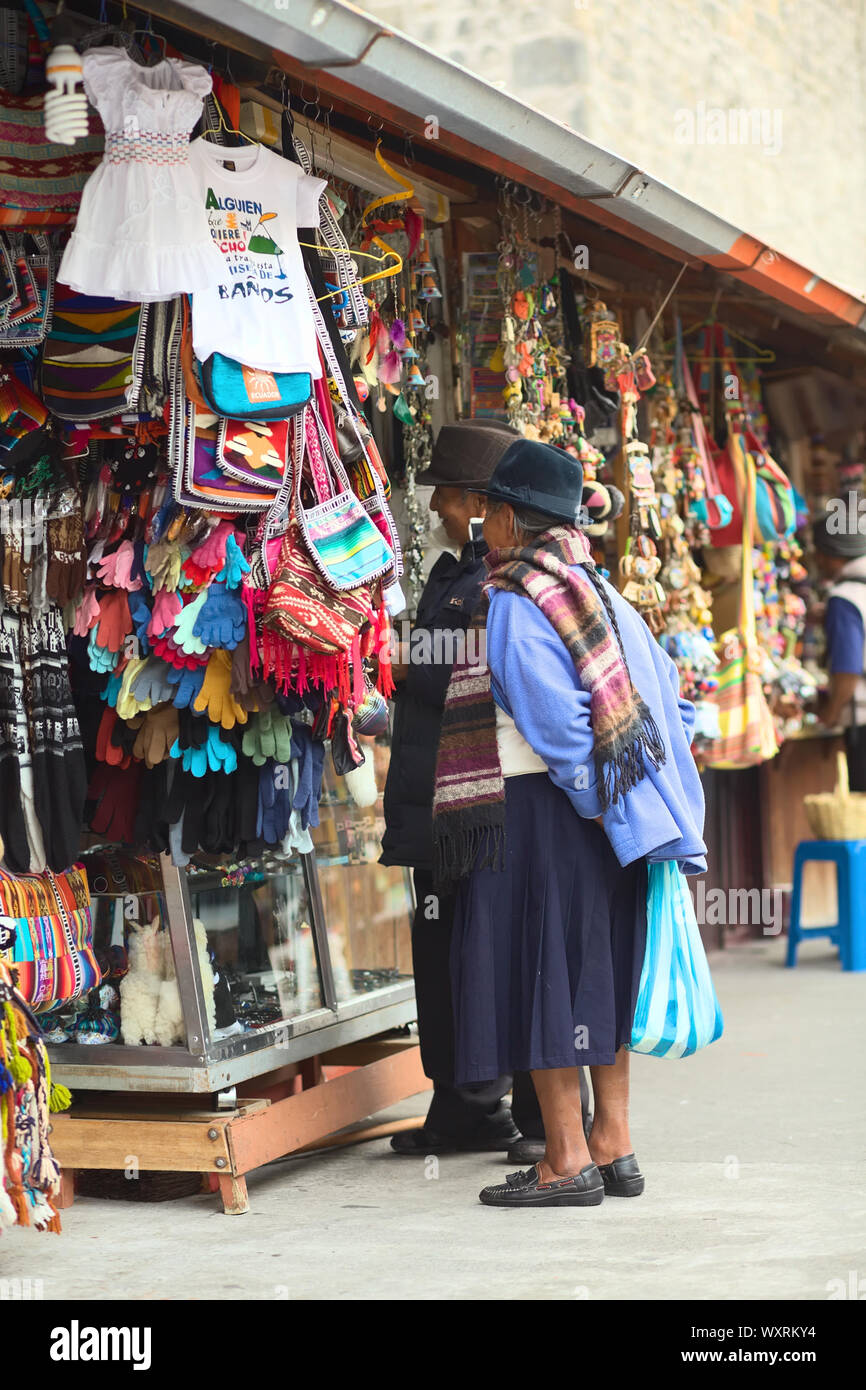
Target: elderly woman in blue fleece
564	766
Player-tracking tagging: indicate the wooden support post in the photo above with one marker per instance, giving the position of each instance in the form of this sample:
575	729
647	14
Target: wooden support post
66	1195
233	1191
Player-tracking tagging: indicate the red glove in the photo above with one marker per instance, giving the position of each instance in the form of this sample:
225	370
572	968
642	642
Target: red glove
106	750
115	622
117	791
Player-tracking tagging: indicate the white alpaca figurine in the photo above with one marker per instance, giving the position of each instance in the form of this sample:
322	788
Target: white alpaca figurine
169	1018
140	987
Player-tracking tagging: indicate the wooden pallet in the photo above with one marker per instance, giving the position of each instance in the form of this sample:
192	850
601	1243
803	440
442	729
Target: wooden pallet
285	1111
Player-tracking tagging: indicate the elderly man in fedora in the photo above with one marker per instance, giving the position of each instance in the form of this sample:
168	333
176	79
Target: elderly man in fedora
474	1117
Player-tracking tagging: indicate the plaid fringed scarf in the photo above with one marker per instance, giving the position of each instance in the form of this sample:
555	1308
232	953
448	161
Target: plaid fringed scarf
469	799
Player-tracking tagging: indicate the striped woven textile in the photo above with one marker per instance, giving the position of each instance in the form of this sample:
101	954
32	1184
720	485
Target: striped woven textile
36	175
87	360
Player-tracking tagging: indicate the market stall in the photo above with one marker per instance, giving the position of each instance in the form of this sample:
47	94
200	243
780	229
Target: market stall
194	493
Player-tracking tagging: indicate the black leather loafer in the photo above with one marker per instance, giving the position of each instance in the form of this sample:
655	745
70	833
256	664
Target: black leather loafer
418	1143
622	1178
526	1189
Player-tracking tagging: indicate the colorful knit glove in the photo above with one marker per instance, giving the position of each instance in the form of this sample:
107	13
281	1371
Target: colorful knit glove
215	694
156	736
115	622
269	735
222	621
101	660
139	611
87	612
112	689
183	634
221	755
163	564
166	607
129	702
186	684
275	803
151	685
116	569
210	555
235	566
192	760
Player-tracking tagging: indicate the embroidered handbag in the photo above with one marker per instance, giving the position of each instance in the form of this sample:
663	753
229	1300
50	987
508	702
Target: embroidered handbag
344	543
301	608
47	928
254	451
246	393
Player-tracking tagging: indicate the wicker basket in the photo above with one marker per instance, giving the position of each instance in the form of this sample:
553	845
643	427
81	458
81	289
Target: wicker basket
147	1187
837	815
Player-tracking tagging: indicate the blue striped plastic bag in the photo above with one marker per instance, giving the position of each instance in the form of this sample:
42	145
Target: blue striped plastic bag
677	1010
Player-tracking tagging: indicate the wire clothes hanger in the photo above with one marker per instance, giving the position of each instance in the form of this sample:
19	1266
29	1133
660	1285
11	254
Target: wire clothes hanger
392	261
755	354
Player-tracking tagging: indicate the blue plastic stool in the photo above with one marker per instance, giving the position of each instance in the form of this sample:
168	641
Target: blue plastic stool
849	933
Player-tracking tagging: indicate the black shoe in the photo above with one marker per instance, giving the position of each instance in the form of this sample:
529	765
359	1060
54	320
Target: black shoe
622	1178
418	1143
586	1189
526	1151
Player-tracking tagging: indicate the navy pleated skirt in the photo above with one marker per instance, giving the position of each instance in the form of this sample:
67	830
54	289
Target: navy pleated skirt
546	954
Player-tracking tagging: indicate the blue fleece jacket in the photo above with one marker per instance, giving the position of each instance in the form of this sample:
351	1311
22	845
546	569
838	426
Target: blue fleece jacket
535	681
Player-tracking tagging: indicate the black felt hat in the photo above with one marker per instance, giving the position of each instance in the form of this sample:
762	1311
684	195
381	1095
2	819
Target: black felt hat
536	475
466	453
845	543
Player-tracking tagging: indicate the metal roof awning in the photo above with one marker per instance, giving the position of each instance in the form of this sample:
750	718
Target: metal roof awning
353	55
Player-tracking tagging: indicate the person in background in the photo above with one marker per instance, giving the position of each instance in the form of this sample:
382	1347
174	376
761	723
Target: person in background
475	1116
841	559
564	765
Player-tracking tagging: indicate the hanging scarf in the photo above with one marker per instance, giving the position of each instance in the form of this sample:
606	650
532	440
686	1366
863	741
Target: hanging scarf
469	799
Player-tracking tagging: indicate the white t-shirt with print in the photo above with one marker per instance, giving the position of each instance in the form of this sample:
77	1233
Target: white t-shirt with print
259	314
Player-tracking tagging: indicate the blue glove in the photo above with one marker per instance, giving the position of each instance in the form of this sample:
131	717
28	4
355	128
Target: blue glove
188	683
139	611
137	570
275	806
310	754
193	760
235	566
101	660
222	620
221	755
152	682
112	690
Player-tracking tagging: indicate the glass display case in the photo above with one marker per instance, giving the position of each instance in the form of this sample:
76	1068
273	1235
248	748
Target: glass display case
306	952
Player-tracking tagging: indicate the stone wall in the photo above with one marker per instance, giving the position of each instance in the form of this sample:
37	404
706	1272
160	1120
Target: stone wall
756	112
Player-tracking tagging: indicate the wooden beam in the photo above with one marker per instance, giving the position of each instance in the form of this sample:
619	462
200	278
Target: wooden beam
289	1124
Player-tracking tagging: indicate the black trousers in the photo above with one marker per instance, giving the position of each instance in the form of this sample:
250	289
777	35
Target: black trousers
456	1111
855	748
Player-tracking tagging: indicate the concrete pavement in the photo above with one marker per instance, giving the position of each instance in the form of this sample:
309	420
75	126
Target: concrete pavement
753	1153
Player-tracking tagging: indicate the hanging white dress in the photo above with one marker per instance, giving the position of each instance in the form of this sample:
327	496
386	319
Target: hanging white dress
142	232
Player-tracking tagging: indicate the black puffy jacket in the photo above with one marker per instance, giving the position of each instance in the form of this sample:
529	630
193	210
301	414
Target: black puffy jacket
450	597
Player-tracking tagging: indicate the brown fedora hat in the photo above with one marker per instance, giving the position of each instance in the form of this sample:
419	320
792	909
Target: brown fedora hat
466	453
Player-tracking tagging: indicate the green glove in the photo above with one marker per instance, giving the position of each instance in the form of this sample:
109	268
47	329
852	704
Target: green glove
182	632
269	735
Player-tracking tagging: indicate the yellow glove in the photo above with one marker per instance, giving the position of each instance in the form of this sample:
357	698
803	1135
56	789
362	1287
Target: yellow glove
127	705
215	695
